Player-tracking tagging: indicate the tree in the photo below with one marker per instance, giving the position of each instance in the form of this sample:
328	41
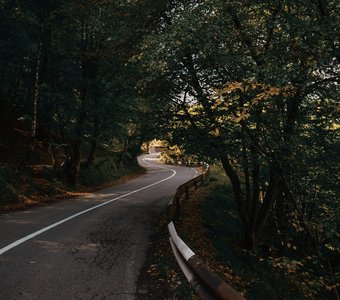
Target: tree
241	75
70	73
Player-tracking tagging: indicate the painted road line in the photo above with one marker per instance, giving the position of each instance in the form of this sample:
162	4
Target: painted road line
36	233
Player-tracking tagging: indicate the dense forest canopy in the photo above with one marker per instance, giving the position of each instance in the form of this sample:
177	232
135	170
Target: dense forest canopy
65	68
253	85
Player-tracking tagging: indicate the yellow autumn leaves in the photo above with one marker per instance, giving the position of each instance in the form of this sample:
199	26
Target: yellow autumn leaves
246	95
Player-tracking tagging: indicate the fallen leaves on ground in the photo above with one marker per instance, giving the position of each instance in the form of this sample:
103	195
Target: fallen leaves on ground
163	277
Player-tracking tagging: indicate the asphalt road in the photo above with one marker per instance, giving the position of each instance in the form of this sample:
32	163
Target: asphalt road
89	248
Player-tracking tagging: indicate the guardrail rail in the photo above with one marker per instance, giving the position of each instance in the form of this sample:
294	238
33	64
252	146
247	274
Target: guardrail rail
205	283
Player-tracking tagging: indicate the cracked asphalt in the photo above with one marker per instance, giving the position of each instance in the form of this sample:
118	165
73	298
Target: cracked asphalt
96	255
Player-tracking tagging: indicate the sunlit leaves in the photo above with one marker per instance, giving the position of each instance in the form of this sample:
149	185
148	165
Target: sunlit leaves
241	98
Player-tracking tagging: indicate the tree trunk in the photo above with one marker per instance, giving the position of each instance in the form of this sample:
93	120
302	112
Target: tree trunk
251	240
36	92
252	216
75	161
94	142
267	203
121	156
32	141
238	194
53	157
90	158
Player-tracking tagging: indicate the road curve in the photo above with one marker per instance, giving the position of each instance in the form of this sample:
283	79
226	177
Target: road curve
86	248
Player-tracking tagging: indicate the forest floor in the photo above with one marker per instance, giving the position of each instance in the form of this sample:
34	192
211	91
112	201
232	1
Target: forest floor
209	226
30	191
161	276
38	183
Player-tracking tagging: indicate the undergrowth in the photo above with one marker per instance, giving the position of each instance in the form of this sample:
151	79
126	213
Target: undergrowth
37	184
266	274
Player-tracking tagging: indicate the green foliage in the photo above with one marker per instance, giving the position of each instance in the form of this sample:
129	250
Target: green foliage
299	274
254	84
74	58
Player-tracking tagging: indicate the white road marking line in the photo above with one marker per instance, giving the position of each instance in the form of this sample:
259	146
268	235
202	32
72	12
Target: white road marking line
38	232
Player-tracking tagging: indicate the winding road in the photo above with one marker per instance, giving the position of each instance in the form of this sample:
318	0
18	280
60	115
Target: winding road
86	248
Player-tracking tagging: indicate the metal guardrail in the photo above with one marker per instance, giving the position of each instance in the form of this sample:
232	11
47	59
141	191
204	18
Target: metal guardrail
174	210
205	283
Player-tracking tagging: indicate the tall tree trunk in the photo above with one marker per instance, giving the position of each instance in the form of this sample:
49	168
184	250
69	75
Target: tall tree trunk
237	189
90	158
254	201
35	99
121	156
75	161
267	204
84	92
249	231
253	214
